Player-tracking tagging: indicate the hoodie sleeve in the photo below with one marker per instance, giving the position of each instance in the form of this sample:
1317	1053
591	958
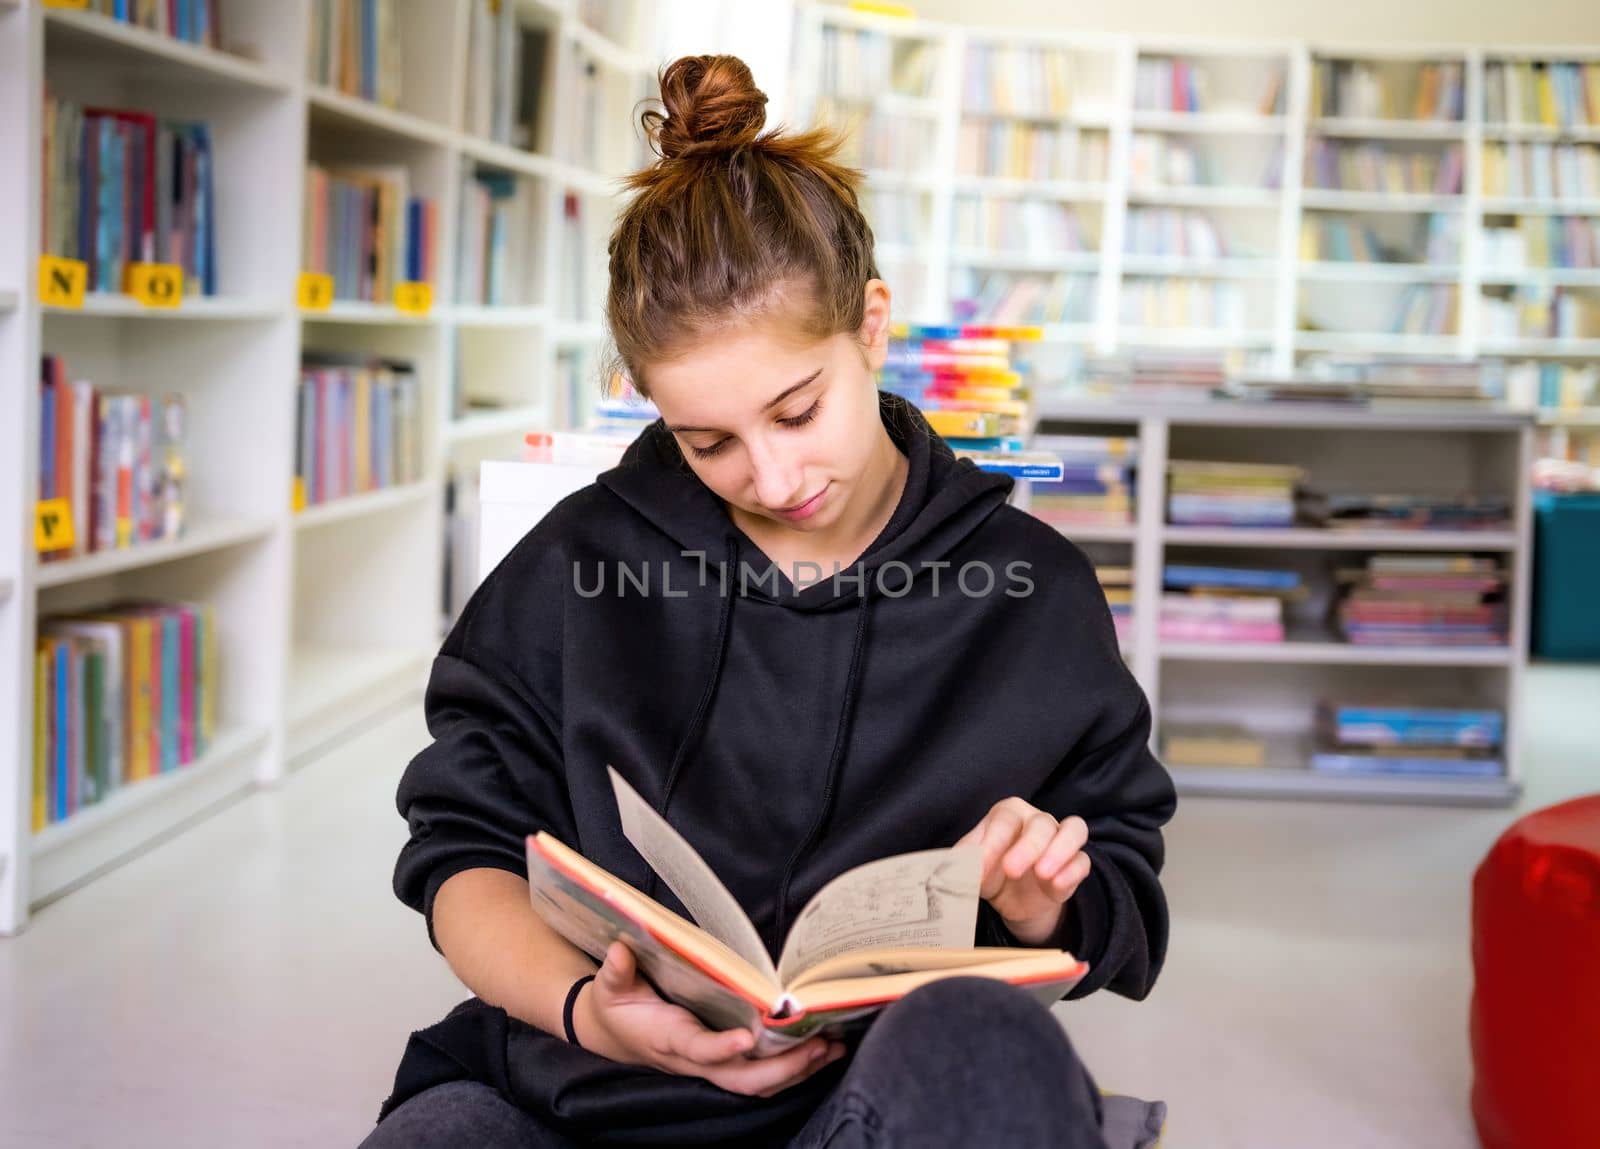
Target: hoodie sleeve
1117	919
493	773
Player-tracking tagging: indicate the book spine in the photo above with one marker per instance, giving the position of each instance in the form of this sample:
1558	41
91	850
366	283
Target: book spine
186	713
63	741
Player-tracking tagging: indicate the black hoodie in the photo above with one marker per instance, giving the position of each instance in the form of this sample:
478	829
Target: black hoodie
969	656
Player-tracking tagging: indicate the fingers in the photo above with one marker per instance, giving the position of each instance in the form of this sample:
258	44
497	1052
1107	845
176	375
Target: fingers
1068	839
617	972
694	1042
772	1075
996	833
1037	831
1066	883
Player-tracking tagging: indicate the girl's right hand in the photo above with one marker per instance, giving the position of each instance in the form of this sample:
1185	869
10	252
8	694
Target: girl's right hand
620	1016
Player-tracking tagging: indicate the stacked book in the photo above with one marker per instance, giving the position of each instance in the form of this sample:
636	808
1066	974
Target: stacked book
1540	169
120	695
1357	739
1365	90
1424	600
1184	304
1425	309
359	427
192	21
1014	80
364	228
1202	494
1542	241
1555	386
1339	165
1117	582
1020	225
1155	374
1433	239
505	69
1541	312
1555	94
1011	149
1177	232
1208	745
495	207
354	46
123	187
1226	604
1009	299
1360	512
1096	485
116	459
862	64
964	382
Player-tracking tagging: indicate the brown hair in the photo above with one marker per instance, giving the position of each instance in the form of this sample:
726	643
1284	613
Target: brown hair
729	217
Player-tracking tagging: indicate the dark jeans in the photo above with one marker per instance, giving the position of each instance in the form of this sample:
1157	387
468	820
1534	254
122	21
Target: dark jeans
961	1062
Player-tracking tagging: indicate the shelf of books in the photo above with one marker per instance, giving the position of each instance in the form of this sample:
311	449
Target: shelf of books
213	196
1280	200
1323	602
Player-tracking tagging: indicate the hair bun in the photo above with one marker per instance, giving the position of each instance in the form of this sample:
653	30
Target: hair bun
712	105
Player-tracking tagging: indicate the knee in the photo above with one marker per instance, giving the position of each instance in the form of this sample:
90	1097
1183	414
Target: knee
458	1113
973	1010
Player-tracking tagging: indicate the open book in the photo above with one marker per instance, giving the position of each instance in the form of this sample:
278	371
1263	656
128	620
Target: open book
868	938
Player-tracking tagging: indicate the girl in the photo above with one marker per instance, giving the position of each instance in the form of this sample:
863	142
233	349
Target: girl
833	642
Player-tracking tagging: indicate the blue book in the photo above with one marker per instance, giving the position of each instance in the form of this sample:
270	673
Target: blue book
414	238
1419	726
47	441
205	249
1244	579
1004	443
1402	764
369	49
171	685
108	208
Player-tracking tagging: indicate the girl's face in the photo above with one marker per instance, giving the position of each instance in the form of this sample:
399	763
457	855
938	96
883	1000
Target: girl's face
779	424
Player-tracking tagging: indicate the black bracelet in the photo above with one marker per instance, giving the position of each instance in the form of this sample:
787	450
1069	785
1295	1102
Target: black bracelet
572	1000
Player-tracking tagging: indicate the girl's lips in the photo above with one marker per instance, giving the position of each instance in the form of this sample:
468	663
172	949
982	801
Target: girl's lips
806	509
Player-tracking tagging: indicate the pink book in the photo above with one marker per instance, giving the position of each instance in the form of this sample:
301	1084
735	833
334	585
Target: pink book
1204	630
186	710
156	655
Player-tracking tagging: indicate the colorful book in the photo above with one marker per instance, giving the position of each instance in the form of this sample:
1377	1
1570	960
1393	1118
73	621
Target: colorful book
839	967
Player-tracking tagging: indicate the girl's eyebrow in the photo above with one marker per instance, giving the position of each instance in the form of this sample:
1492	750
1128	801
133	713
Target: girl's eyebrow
787	391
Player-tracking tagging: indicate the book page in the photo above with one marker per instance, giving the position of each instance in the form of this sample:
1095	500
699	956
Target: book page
929	898
702	893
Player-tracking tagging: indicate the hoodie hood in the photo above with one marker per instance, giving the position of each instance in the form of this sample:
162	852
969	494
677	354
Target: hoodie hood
944	501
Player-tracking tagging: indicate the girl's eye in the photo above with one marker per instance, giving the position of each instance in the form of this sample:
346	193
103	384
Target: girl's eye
802	419
708	452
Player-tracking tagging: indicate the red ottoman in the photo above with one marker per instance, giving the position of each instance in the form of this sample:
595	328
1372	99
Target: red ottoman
1536	1000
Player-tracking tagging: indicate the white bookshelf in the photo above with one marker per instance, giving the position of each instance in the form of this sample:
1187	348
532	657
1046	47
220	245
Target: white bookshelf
1311	306
1272	688
330	615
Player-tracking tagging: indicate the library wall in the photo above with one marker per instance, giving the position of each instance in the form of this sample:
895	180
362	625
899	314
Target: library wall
1376	22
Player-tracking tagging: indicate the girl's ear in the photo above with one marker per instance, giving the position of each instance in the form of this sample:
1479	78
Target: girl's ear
875	324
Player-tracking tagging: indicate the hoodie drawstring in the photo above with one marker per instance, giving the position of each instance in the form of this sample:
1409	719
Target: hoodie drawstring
835	762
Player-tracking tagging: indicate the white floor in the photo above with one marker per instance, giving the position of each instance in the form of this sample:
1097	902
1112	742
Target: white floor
252	982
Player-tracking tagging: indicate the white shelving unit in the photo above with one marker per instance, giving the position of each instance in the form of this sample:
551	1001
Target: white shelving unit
330	615
1273	688
1360	298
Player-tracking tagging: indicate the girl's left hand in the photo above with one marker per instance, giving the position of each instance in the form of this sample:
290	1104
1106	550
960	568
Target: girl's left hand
1032	865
